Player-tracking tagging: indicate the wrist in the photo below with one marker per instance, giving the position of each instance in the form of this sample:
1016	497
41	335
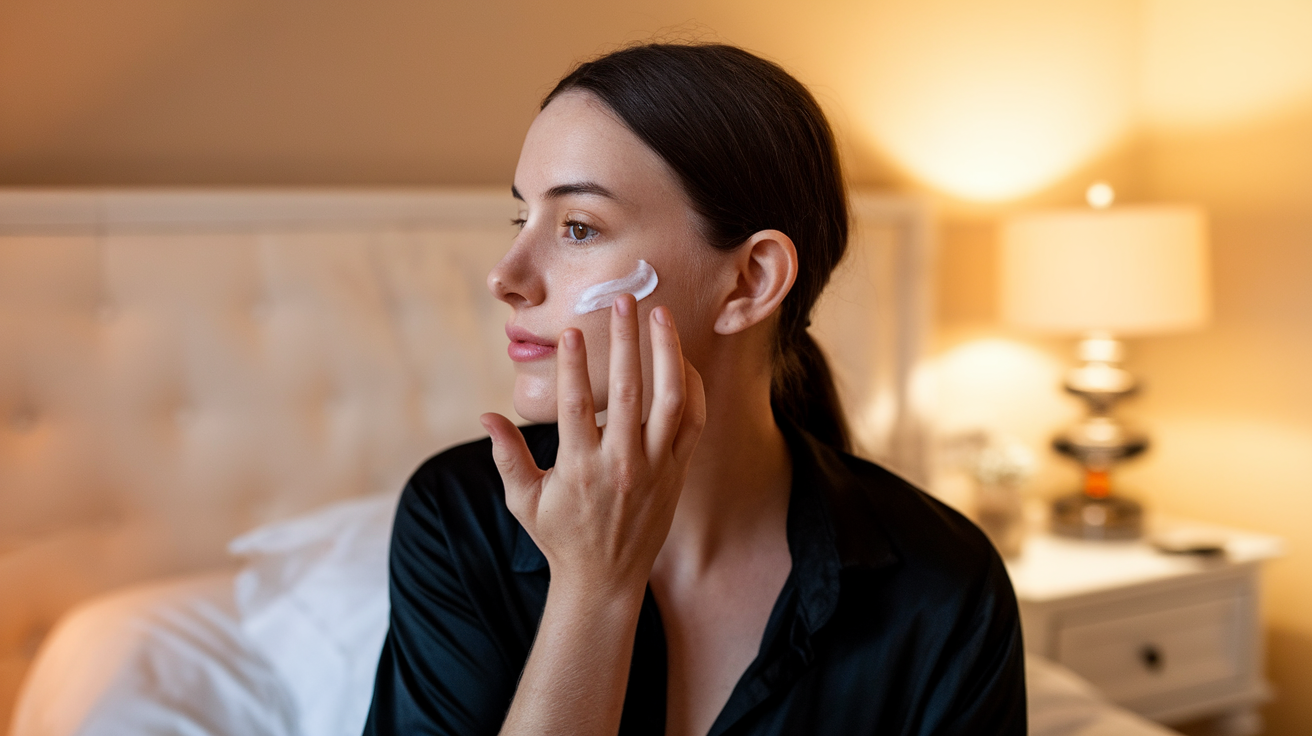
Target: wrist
596	600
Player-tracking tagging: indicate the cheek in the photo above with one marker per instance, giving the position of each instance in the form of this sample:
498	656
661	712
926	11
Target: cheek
689	306
693	309
596	337
588	294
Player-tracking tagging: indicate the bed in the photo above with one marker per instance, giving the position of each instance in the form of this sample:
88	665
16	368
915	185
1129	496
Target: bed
286	647
210	400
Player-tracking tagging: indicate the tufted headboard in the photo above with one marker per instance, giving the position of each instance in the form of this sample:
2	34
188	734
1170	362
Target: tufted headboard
179	366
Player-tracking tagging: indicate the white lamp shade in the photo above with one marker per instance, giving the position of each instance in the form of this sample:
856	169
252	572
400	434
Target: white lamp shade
1125	270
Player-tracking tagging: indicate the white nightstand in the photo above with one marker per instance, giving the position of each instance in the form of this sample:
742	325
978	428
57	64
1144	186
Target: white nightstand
1173	637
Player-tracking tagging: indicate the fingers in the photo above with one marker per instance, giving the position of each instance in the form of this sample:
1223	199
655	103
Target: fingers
693	418
668	383
519	472
624	394
574	410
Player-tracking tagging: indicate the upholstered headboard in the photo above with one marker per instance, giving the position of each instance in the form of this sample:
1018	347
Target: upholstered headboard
179	366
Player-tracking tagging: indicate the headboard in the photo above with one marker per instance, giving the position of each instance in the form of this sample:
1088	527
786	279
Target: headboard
179	366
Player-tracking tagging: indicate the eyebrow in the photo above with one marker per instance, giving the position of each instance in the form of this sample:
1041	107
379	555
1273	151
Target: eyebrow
589	188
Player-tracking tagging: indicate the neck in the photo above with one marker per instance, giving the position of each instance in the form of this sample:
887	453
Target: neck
740	475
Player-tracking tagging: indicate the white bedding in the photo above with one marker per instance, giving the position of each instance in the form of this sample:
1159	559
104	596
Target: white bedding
164	658
286	647
312	600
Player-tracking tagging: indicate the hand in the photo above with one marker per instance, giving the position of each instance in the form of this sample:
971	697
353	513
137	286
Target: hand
601	515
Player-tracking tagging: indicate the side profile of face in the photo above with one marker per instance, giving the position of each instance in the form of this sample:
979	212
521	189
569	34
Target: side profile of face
594	201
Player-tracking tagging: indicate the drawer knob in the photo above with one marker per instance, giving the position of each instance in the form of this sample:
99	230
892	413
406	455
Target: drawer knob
1152	657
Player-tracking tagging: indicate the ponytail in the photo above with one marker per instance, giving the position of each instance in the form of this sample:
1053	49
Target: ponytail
803	391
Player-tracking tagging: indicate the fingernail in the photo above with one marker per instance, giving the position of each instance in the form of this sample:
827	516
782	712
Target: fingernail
622	306
571	339
662	315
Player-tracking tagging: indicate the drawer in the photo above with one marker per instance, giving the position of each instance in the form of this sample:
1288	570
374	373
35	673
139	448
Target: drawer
1147	654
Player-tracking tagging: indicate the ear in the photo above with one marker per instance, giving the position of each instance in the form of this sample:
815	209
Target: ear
766	269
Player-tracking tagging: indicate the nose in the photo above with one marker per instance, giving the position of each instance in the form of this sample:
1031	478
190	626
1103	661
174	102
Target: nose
514	280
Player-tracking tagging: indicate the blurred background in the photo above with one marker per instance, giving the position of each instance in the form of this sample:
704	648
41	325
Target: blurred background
985	108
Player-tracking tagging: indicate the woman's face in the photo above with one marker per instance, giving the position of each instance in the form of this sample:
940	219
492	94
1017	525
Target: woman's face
594	200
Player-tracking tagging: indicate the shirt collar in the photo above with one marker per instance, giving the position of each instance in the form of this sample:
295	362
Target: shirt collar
832	523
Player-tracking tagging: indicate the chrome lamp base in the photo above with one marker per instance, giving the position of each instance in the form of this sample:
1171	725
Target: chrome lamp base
1097	443
1082	516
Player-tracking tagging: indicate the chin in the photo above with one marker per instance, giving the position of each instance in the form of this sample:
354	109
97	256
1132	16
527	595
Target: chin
535	400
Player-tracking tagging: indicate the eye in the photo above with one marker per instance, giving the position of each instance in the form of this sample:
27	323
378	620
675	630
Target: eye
579	232
518	222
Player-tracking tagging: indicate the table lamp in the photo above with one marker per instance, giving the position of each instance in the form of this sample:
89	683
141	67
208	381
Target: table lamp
1104	273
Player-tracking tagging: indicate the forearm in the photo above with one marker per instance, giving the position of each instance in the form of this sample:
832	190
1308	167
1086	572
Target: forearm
577	673
600	516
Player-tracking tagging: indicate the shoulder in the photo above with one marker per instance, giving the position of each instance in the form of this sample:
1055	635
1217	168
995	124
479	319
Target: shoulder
458	492
466	475
471	463
882	522
461	619
932	557
953	599
923	531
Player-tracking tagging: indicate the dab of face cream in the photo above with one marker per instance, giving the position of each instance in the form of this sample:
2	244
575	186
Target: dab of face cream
641	283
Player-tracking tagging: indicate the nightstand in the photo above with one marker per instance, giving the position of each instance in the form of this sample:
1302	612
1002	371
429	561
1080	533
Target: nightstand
1174	637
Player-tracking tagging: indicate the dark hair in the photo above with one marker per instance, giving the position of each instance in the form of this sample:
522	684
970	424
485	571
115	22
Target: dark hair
754	152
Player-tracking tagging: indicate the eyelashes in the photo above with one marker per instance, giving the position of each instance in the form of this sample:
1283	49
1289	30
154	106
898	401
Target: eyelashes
576	232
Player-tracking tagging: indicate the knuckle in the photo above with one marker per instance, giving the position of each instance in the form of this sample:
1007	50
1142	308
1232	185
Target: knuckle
516	503
625	330
627	393
695	416
574	405
673	396
668	342
505	461
670	412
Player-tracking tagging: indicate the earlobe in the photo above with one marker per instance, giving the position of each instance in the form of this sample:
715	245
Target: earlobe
766	269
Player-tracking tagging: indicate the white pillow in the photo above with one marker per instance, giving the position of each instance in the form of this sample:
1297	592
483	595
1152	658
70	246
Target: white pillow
165	657
313	601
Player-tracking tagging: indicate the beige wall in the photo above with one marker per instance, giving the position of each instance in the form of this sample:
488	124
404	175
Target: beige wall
987	107
333	92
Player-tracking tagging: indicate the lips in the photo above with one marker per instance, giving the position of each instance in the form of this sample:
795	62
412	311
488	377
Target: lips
526	346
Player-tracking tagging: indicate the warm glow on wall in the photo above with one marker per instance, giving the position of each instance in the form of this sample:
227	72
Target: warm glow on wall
994	101
999	384
1216	63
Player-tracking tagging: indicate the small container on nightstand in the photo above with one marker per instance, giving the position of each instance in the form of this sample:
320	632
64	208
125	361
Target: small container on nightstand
1175	637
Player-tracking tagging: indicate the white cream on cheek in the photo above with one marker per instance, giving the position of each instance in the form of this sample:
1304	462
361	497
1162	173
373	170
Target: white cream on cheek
640	283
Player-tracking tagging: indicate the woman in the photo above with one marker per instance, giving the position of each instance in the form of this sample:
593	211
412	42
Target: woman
711	560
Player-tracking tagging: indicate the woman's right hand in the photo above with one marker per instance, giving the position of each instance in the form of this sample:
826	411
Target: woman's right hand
601	515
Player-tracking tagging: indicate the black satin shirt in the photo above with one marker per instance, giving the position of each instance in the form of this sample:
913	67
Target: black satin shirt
898	616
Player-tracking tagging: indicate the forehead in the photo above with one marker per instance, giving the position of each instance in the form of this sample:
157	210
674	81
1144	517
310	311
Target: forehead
577	138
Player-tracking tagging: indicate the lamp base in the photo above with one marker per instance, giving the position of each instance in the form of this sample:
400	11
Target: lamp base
1111	517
